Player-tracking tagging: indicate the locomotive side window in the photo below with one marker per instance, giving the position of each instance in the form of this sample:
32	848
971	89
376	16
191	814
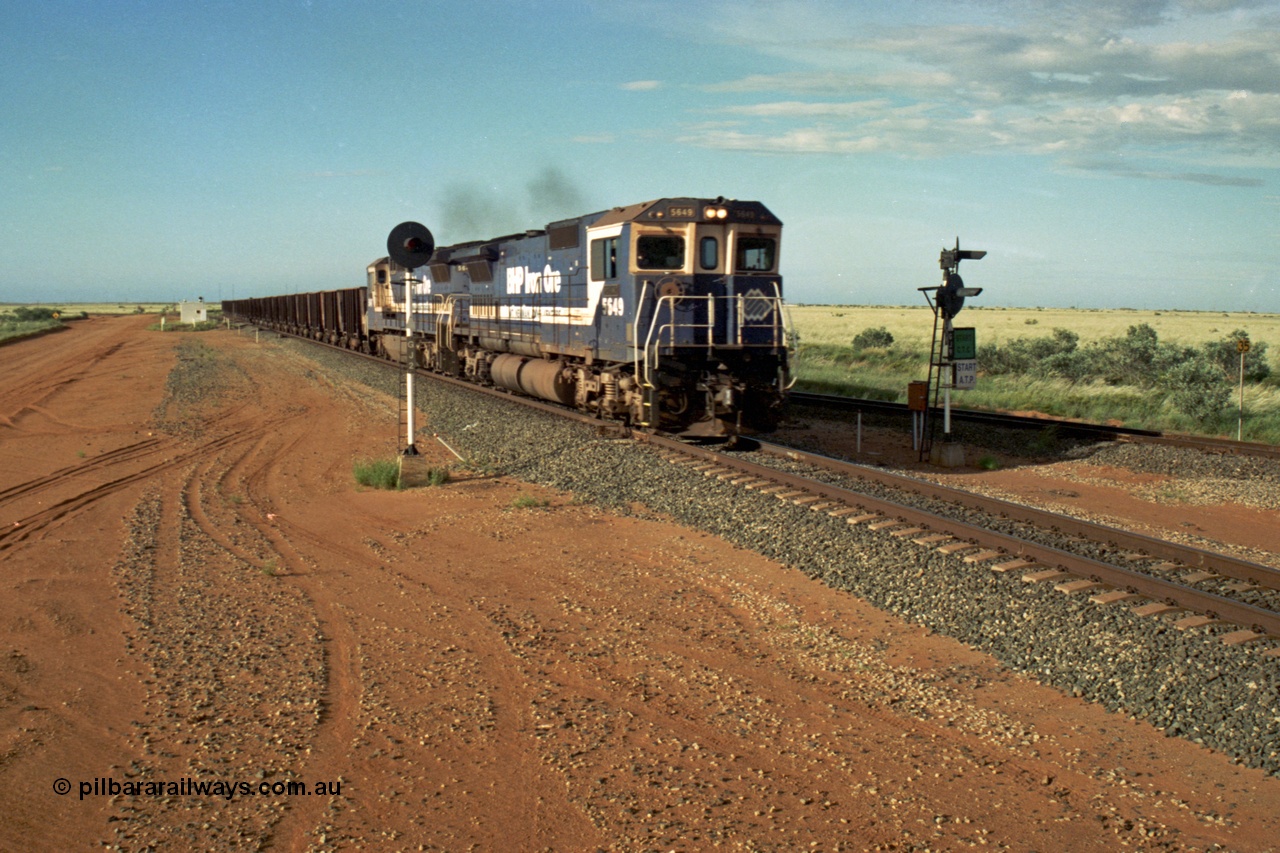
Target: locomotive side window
709	253
755	254
604	259
659	252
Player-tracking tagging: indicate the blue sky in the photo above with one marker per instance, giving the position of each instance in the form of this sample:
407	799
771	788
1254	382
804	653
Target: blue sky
1105	154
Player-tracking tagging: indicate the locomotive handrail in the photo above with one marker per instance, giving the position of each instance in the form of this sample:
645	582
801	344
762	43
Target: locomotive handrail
651	343
653	339
635	334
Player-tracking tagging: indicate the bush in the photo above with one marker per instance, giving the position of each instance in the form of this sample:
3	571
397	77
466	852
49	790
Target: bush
29	313
1226	355
1028	355
1195	381
878	338
1198	388
377	473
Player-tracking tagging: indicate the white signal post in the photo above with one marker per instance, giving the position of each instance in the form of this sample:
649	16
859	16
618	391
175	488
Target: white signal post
410	245
409	448
1242	347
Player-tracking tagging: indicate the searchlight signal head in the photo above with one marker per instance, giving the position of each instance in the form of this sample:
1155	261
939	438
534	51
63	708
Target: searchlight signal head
410	245
951	294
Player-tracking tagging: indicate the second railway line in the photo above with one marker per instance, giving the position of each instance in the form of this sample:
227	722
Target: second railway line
1071	429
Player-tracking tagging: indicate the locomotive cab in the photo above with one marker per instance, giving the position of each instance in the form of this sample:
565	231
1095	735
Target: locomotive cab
706	333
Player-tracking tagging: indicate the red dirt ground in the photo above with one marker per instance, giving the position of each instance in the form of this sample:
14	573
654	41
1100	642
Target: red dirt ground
197	590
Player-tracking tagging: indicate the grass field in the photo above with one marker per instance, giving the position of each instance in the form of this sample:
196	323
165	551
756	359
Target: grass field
837	324
100	307
826	362
12	329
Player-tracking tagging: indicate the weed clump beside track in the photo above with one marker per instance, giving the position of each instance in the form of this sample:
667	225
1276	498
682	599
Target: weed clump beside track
386	474
377	473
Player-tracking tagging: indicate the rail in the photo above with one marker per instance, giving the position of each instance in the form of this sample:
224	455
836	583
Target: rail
1105	432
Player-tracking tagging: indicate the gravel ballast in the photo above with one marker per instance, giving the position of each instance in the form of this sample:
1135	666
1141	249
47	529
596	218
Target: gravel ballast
1186	683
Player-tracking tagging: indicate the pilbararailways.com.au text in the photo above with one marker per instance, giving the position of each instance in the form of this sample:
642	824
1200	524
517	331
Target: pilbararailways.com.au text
188	787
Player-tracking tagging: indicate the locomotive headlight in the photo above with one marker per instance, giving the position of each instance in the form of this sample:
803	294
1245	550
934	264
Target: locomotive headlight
715	213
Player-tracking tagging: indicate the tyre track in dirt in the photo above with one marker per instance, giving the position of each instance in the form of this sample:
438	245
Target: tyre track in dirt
50	366
339	695
175	455
367	714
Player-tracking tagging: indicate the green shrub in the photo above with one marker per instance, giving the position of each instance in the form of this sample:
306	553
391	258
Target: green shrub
28	313
1198	388
1028	355
377	473
877	338
1194	381
1226	355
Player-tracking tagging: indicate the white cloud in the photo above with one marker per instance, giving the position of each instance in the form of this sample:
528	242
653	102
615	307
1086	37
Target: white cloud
797	109
1044	77
642	85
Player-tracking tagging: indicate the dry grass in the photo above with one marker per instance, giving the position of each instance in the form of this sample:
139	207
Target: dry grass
912	326
102	307
826	361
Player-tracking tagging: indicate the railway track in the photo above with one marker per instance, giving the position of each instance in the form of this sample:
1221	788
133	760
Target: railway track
1182	566
1154	577
1065	428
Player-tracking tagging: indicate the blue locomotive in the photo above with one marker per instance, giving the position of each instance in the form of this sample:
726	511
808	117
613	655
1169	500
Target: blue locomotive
667	314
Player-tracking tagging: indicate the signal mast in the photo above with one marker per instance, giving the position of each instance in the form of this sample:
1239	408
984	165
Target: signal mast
958	366
410	245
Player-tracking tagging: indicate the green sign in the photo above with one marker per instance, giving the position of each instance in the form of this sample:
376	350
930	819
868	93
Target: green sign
964	344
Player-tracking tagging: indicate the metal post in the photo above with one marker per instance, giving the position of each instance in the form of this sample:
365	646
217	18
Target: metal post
407	363
1240	425
409	449
947	382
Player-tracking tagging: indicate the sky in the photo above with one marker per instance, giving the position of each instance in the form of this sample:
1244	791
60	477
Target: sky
1105	154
